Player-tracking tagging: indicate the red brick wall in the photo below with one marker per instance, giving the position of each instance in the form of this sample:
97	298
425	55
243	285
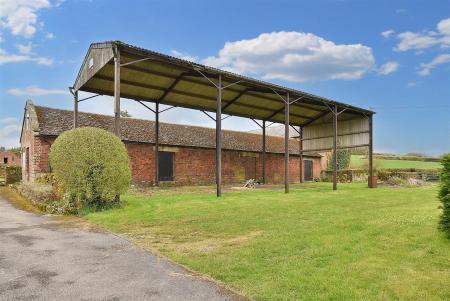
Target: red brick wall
12	158
192	165
197	165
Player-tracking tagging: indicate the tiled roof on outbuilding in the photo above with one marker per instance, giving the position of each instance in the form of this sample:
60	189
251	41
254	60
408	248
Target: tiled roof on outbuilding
52	122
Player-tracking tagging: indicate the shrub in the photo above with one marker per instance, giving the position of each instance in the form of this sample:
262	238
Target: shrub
444	194
343	159
92	167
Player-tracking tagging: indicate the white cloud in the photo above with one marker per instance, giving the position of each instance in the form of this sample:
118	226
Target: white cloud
411	84
388	33
49	36
9	132
20	17
43	61
25	48
425	68
7	58
184	56
410	40
294	56
36	91
425	39
388	68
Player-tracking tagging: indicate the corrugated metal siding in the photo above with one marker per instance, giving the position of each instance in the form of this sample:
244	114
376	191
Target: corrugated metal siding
349	134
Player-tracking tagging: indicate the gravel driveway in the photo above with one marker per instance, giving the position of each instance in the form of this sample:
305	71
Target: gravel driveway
43	259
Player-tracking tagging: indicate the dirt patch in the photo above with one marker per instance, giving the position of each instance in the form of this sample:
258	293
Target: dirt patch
153	238
67	221
18	201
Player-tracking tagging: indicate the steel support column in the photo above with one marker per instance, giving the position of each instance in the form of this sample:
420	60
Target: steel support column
335	163
286	144
219	138
264	152
117	92
157	144
371	184
300	148
75	109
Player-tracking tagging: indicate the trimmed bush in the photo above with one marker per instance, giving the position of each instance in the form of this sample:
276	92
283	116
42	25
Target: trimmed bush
92	167
444	194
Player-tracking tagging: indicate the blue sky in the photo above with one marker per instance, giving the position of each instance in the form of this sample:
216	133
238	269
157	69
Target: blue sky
391	56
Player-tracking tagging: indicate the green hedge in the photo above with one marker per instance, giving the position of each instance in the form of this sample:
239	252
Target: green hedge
444	194
13	174
92	166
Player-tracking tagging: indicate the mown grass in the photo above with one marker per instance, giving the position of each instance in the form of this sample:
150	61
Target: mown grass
312	244
358	161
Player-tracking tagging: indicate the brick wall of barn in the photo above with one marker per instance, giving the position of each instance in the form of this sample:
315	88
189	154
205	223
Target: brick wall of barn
191	165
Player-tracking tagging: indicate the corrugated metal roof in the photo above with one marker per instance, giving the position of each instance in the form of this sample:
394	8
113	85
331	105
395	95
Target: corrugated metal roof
157	77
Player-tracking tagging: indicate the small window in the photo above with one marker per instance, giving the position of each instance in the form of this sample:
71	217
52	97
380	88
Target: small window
165	164
91	63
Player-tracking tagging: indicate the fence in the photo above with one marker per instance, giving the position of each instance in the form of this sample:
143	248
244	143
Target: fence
359	175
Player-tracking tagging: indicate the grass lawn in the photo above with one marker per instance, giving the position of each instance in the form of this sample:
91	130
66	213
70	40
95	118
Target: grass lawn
312	244
358	161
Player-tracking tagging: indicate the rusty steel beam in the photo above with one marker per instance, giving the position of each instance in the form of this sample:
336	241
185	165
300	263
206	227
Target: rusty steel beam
264	151
117	93
286	144
371	184
219	138
75	109
171	87
335	163
300	148
157	144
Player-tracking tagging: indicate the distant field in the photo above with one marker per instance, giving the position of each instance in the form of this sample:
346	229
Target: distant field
358	161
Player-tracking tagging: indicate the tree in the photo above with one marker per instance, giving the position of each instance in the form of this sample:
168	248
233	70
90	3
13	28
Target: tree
124	113
444	194
91	165
343	159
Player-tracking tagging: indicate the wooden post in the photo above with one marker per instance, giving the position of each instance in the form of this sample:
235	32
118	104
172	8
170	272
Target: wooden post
219	138
371	184
286	144
157	144
335	163
117	92
300	148
75	109
264	152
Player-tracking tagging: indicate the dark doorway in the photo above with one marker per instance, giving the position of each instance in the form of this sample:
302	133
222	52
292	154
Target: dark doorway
308	172
165	171
5	160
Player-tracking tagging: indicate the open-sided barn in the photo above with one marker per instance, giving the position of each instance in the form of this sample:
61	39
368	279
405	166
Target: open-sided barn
121	70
